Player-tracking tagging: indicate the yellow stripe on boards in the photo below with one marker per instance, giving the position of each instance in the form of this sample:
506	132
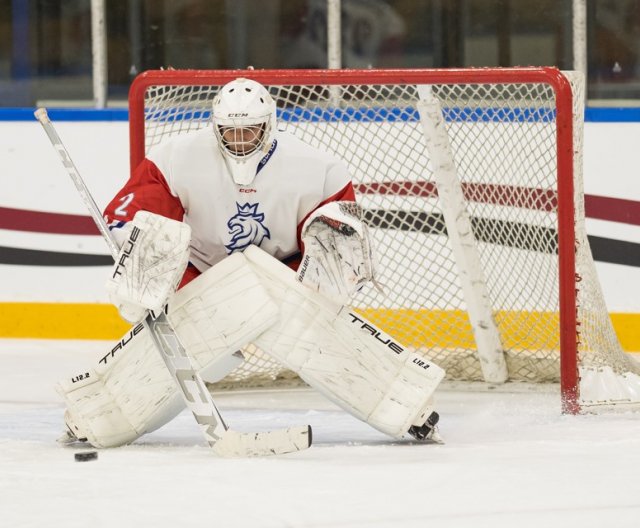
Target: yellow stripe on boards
627	326
61	321
451	329
416	328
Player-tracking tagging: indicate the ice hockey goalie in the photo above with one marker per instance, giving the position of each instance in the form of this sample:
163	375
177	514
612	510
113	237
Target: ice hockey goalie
262	238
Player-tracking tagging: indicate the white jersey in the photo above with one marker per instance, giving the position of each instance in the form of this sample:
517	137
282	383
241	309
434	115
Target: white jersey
292	180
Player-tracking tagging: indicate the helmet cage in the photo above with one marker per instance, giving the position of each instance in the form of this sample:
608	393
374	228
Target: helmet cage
241	140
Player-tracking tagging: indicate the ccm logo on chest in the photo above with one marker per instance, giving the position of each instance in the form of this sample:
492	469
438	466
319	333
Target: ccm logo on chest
246	190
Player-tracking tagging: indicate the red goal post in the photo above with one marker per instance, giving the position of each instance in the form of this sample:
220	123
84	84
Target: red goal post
510	135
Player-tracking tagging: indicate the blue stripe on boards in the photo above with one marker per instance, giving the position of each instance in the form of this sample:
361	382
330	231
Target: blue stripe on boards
66	114
612	114
407	113
365	115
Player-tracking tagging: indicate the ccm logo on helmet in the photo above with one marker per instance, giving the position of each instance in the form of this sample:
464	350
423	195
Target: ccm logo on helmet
239	114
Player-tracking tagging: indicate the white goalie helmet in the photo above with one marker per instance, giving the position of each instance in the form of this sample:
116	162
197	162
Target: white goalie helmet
244	120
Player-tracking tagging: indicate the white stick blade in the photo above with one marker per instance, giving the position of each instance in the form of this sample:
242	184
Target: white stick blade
234	444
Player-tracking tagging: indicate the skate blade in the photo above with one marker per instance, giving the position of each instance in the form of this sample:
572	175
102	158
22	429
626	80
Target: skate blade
435	438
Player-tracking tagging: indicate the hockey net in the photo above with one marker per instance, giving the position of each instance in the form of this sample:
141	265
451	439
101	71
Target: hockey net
512	161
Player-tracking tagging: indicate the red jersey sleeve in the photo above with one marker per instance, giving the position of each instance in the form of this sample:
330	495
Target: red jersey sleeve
146	190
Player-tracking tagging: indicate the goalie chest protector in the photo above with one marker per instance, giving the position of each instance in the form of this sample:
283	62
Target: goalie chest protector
292	180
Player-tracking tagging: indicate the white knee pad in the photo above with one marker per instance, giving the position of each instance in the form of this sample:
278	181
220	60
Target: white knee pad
130	391
344	356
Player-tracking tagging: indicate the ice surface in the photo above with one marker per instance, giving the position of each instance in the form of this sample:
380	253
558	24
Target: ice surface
510	460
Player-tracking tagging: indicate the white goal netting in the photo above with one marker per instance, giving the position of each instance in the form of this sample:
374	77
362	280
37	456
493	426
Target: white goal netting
507	150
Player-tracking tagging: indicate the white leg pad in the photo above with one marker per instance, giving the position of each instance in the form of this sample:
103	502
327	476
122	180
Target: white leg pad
130	391
344	356
125	395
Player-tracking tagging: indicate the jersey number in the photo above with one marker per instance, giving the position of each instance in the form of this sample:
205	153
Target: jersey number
126	200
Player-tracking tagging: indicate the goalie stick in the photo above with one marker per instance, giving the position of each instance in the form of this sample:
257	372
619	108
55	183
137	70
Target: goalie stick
224	441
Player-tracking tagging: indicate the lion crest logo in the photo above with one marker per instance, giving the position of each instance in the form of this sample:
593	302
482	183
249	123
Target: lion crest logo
246	228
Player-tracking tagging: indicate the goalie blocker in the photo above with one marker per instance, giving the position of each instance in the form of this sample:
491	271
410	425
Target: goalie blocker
251	297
